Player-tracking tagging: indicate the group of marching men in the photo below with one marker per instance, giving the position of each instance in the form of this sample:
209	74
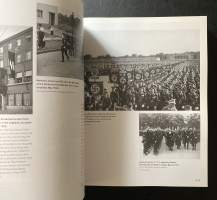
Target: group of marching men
175	89
179	138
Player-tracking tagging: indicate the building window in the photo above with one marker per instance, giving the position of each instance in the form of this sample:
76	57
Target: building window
19	42
10	46
27	79
28	76
29	55
1	50
19	77
27	99
28	38
40	13
18	58
11	99
1	63
18	100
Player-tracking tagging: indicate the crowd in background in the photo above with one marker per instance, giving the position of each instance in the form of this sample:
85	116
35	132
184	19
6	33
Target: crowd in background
156	86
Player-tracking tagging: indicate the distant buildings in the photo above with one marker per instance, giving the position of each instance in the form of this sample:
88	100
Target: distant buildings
136	60
182	56
16	73
47	14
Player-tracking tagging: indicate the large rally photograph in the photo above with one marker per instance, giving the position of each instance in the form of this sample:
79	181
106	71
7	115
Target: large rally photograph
145	70
164	135
16	69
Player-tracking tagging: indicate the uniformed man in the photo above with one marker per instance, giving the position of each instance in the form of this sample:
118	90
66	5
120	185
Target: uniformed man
171	105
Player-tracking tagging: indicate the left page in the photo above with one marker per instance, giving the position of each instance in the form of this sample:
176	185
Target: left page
41	100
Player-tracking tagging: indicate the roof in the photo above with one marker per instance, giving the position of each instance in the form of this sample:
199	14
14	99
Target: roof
16	35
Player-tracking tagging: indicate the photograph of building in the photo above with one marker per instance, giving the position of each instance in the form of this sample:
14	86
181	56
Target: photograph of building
16	70
59	45
164	135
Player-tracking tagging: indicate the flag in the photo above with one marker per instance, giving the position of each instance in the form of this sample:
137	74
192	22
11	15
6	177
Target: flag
96	88
114	77
3	81
129	75
123	80
137	75
11	59
123	77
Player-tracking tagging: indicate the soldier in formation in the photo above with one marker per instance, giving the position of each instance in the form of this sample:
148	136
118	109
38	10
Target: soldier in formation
178	138
174	88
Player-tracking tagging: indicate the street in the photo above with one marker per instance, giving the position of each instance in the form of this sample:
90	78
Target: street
164	153
50	64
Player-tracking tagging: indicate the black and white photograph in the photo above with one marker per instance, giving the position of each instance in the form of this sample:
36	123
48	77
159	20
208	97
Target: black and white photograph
143	70
59	42
164	135
16	69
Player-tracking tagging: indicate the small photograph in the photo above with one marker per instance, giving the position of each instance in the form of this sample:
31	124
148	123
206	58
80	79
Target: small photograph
59	50
143	70
169	136
16	70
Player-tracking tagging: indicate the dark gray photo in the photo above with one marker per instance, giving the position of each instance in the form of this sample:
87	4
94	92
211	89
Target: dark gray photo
16	70
143	70
59	50
169	135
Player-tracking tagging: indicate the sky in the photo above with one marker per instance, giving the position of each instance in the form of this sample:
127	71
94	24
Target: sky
66	6
8	31
121	43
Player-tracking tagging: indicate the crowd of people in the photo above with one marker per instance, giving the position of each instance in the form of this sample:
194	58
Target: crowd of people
180	138
156	86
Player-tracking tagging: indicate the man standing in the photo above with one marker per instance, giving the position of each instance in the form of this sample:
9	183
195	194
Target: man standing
171	105
64	48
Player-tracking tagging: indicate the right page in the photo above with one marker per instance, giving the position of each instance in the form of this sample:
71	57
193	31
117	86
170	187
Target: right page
146	101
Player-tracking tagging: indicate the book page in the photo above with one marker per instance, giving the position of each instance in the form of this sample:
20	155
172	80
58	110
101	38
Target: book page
146	101
41	100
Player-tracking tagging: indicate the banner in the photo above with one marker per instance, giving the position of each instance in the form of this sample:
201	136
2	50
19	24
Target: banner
3	81
96	88
137	75
11	59
114	77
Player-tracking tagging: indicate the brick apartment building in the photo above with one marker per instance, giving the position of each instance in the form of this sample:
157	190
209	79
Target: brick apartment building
16	73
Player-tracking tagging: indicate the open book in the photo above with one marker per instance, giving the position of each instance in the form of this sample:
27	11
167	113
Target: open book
102	102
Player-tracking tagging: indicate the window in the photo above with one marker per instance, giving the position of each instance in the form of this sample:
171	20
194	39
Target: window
1	63
11	99
19	41
28	38
28	73
40	13
29	55
27	79
18	58
27	99
18	99
10	46
28	76
1	50
19	77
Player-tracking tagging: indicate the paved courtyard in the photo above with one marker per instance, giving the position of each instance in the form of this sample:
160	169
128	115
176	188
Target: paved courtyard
50	64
